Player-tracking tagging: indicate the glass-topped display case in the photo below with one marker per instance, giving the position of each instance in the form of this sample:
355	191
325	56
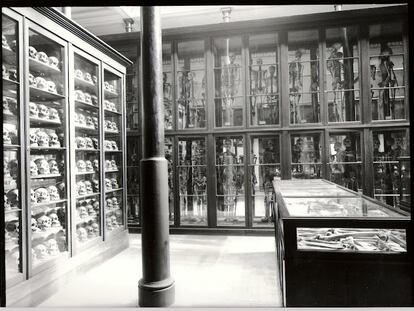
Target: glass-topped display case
12	150
47	118
86	154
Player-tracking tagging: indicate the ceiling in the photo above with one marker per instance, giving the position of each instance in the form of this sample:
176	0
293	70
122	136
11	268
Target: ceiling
110	19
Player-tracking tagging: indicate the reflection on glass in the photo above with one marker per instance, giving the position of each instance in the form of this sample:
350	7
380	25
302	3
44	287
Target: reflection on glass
389	171
306	156
192	172
133	180
304	76
263	76
227	82
345	160
264	168
230	181
167	86
352	240
386	52
169	153
342	75
191	85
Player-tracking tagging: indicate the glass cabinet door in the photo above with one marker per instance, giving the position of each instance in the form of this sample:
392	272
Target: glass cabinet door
169	156
113	145
86	157
133	153
167	86
47	155
12	151
306	152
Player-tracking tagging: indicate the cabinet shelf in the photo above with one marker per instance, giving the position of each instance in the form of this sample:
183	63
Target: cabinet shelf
8	55
38	205
87	195
34	148
13	210
43	176
46	233
111	171
89	86
113	151
45	122
113	190
86	173
9	83
38	66
111	112
44	95
110	95
85	220
11	147
87	150
86	129
85	105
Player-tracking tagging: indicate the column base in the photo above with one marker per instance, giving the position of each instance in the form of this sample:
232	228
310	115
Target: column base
156	294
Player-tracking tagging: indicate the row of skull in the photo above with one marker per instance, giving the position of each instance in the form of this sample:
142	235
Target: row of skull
112	203
87	187
48	249
9	73
88	232
42	57
109	87
110	126
86	76
42	139
45	222
110	106
86	97
45	195
87	166
86	142
42	84
86	120
41	166
9	105
43	112
87	208
9	136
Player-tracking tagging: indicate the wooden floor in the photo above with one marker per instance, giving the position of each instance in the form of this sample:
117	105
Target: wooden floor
209	271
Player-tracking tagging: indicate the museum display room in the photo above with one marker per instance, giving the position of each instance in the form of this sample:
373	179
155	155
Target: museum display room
297	127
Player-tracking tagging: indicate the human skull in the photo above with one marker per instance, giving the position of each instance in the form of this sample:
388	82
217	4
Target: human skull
12	74
34	226
91	210
111	88
114	127
95	122
82	119
114	145
109	204
88	143
6	106
89	122
79	95
112	106
4	41
13	197
109	225
88	98
108	165
61	188
114	183
95	228
108	184
5	72
95	142
113	165
108	125
52	247
78	74
88	77
7	205
88	186
42	195
32	81
32	52
54	193
53	62
88	165
33	110
114	222
106	104
42	139
95	79
6	136
96	205
33	139
94	100
82	234
81	188
41	83
106	85
115	202
54	114
95	164
81	166
32	196
95	185
44	223
54	140
51	87
82	211
108	145
80	142
43	112
42	166
53	166
42	56
90	232
41	251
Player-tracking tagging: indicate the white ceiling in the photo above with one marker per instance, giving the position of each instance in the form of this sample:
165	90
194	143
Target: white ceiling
109	19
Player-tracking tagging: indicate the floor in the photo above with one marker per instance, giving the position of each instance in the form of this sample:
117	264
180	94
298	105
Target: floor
209	271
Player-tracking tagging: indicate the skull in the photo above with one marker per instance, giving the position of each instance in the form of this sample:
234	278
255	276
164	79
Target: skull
90	232
13	74
95	228
106	104
112	106
88	143
95	185
54	114
94	100
33	139
108	184
88	98
95	164
52	247
111	88
44	223
33	110
41	83
53	166
41	251
109	225
61	188
95	122
95	143
42	166
41	56
114	222
53	62
89	122
6	136
78	74
113	165
32	196
114	127
80	142
114	145
32	81
82	119
51	87
79	95
91	211
42	139
82	234
106	85
32	52
34	226
43	112
108	165
89	167
4	41
7	205
108	125
54	140
81	188
13	197
81	166
54	219
88	186
108	145
95	205
82	211
95	79
115	203
42	195
54	194
88	77
114	183
109	204
6	108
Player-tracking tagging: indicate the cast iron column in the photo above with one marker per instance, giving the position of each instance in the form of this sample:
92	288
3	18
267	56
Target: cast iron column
156	288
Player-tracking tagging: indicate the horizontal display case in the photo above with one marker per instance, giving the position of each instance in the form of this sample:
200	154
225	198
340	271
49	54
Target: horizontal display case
325	230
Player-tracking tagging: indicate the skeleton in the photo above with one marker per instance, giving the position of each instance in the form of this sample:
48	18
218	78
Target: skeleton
41	83
6	136
88	98
54	115
41	251
52	247
42	166
88	186
79	74
42	57
43	111
51	87
89	167
44	222
33	110
53	62
32	196
82	234
81	188
79	95
53	193
32	52
53	167
89	143
295	85
108	184
81	166
80	142
42	195
32	81
42	139
54	220
34	226
54	140
82	211
114	183
95	185
87	77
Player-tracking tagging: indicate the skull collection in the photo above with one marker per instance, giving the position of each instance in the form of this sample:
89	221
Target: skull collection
43	112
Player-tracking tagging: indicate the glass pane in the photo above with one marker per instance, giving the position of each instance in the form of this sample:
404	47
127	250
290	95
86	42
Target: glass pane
192	172
132	113
169	154
264	109
386	52
48	142
191	84
389	149
113	182
230	181
133	147
227	81
303	53
345	160
306	156
167	85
